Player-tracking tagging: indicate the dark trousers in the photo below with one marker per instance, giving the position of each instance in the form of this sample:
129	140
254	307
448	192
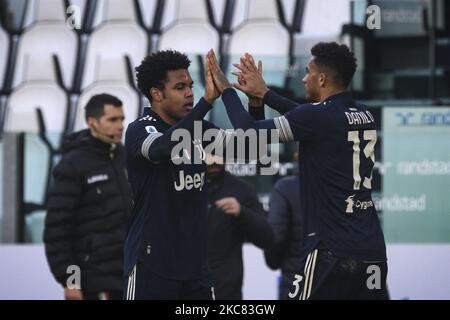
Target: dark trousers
143	284
324	276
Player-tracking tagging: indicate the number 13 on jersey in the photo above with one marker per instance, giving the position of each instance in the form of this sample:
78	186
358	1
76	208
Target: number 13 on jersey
368	135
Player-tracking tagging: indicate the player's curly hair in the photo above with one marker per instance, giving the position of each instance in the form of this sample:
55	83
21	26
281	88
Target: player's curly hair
152	72
337	58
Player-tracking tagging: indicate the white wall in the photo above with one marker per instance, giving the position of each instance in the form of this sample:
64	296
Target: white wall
24	274
415	272
419	271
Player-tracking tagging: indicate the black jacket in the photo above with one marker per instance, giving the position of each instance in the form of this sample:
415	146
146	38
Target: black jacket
88	206
287	223
227	234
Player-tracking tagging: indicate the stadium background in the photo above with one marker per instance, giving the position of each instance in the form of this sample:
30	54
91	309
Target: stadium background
50	66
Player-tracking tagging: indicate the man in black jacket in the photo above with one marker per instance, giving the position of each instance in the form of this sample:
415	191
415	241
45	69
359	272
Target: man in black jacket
235	216
88	206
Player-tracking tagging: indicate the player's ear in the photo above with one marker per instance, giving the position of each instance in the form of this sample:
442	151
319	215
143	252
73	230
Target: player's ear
322	79
156	94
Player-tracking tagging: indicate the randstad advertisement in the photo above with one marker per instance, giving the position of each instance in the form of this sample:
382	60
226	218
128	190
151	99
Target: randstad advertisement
416	184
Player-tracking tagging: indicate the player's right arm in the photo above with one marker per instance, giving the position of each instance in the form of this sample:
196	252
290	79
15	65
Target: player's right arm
302	123
157	146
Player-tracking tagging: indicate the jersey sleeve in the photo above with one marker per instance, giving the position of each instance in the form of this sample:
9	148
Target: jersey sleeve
302	123
279	103
239	117
257	112
139	138
146	141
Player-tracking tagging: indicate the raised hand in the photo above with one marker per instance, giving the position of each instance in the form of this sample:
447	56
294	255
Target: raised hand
250	80
220	80
211	91
248	59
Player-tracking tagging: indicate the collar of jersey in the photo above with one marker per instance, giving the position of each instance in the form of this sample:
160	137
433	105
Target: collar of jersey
149	112
341	97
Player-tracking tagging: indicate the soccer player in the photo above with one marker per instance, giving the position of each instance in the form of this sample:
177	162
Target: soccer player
166	246
344	252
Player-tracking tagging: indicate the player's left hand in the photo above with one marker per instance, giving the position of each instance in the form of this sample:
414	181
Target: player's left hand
248	59
229	205
211	91
220	80
250	80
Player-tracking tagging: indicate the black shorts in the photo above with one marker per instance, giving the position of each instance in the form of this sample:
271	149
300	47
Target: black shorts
143	284
324	276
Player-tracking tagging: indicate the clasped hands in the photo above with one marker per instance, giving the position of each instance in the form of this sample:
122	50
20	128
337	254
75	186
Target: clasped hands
249	79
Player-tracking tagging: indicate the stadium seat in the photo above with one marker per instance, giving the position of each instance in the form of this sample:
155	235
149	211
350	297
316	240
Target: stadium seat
217	10
148	8
49	24
112	81
34	85
37	90
117	36
289	7
321	22
126	10
13	14
262	32
191	31
263	35
21	107
116	10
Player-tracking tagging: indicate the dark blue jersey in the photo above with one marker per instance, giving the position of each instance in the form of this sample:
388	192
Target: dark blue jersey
168	232
336	157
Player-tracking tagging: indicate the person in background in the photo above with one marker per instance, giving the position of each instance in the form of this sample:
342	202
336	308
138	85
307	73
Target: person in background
234	217
88	205
285	219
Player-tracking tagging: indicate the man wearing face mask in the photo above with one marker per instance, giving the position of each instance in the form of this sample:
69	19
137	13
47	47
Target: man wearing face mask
235	216
88	205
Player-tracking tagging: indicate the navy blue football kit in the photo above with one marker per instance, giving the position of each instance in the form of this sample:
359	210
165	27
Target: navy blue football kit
343	241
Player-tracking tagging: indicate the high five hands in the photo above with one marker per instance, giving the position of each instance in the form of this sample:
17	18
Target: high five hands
250	80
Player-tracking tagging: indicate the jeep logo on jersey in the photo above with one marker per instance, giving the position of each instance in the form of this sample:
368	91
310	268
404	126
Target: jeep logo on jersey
188	181
150	129
361	205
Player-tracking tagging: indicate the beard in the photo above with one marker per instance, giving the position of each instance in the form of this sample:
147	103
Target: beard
215	171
